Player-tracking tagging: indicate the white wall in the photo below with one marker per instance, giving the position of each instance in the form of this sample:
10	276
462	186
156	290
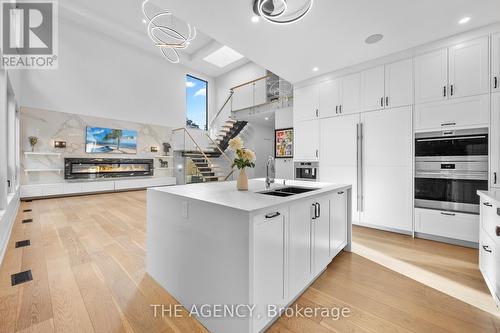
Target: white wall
100	76
243	97
260	139
283	118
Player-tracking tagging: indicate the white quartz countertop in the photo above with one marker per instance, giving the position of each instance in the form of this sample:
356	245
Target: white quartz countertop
226	194
492	195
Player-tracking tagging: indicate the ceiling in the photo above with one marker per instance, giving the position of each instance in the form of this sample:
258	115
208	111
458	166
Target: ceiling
332	35
123	20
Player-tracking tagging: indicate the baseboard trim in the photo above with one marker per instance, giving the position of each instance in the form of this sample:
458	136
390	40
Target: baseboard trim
6	224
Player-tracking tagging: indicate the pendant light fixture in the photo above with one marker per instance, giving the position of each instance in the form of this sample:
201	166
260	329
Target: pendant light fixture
161	31
281	11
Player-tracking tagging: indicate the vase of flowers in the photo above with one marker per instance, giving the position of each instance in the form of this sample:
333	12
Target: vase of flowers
33	141
244	158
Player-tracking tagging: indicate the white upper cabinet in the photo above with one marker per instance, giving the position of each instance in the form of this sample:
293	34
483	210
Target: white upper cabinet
495	62
468	112
399	84
388	86
340	96
350	93
469	69
306	140
431	76
329	98
372	87
459	71
306	103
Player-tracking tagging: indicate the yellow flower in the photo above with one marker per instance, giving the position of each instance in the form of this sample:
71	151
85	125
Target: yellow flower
236	143
249	155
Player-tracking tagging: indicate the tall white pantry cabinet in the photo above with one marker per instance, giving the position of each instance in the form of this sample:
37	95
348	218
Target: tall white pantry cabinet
364	137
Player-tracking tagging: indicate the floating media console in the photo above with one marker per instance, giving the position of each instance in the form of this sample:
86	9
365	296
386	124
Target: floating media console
97	168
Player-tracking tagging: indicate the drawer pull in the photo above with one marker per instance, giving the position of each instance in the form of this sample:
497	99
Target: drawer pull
487	204
448	124
447	214
497	231
272	216
487	248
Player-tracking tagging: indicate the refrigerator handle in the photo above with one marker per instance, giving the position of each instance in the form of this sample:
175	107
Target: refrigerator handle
357	167
360	167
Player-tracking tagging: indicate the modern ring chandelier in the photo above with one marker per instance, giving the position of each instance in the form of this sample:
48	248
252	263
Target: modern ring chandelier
164	36
280	11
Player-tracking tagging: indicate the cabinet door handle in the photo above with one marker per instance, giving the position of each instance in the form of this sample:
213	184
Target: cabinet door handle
315	214
273	215
497	231
494	177
451	90
336	109
340	108
382	102
487	248
387	101
317	113
444	91
487	204
317	153
495	82
319	209
447	214
448	124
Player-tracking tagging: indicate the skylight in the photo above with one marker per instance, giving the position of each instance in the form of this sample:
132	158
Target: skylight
223	57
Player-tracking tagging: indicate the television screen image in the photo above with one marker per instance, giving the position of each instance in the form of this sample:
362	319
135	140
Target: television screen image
111	141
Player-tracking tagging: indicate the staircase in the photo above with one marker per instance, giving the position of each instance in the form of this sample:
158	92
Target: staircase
229	130
201	159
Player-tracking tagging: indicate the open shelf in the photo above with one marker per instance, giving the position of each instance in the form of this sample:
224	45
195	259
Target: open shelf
42	170
29	153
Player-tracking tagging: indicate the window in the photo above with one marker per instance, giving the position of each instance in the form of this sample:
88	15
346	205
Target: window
196	103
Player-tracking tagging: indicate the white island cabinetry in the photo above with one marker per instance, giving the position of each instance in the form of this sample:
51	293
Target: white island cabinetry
211	244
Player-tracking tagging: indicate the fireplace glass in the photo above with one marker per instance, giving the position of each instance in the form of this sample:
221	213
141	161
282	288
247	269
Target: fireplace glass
90	168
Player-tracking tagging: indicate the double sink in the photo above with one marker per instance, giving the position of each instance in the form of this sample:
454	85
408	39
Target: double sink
288	191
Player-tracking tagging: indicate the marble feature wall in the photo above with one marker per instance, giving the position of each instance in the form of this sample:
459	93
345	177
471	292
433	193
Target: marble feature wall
50	126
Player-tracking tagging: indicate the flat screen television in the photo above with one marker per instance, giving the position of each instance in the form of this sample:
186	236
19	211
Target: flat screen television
110	141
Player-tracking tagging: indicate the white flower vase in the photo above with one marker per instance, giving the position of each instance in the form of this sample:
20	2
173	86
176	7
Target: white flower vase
242	181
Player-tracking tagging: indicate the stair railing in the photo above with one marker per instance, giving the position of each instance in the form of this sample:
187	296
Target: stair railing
223	154
231	93
195	143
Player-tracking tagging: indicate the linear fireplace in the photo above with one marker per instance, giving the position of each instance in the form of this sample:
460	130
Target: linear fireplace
96	168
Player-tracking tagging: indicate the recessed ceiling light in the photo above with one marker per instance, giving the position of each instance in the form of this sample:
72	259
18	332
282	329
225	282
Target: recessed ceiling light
374	39
266	118
464	20
315	69
144	21
255	19
223	57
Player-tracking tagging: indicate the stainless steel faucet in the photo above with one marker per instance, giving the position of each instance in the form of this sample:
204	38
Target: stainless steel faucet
270	172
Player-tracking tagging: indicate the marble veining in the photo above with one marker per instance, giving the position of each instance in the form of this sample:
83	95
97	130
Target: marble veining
50	126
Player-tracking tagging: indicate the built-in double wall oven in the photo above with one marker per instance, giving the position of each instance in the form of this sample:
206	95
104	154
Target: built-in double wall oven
450	166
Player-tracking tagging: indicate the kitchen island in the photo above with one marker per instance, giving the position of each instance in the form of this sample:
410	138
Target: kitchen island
242	256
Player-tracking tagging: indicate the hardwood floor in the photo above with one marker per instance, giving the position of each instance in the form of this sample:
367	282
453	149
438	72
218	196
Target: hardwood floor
87	260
